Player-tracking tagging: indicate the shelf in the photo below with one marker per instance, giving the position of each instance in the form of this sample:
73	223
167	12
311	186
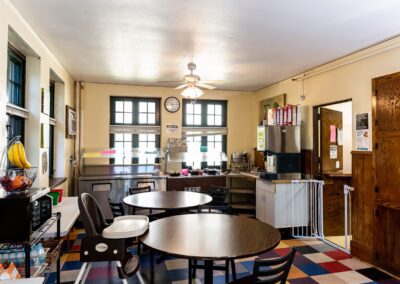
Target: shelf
243	205
52	256
37	235
241	191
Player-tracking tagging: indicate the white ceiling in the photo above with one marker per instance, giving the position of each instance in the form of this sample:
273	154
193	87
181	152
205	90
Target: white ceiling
247	43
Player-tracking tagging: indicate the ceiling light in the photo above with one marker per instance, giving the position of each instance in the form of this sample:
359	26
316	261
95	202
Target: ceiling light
192	92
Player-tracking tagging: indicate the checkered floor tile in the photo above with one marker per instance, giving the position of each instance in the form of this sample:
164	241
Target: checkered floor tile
315	262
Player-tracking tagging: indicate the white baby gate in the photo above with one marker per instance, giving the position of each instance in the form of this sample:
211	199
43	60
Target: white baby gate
307	209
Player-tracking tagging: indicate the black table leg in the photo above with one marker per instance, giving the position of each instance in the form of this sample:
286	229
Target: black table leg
208	271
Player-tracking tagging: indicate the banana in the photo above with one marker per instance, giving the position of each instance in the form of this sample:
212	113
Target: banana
10	155
22	156
17	160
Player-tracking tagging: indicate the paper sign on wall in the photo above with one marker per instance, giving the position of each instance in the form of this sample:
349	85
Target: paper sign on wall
362	131
333	152
333	134
173	131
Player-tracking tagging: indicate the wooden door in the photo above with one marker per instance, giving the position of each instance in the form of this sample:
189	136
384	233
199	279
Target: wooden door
330	121
386	154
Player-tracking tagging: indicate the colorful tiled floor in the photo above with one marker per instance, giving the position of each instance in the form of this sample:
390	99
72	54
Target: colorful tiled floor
315	262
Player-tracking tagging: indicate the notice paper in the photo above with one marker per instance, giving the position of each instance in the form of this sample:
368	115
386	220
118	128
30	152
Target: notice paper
333	134
333	152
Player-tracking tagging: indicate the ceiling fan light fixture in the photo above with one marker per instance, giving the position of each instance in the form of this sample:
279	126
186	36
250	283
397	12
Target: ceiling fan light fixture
192	92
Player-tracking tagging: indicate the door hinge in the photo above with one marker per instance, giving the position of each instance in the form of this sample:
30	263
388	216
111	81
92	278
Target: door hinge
376	145
376	189
376	212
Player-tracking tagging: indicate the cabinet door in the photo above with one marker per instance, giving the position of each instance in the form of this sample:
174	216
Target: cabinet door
260	204
270	205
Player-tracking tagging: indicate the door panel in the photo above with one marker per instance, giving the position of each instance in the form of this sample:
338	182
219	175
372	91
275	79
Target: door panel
386	153
329	118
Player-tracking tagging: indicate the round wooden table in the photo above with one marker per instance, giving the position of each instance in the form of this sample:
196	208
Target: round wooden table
210	237
167	200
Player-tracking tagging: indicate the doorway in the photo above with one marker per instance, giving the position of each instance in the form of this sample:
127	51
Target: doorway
332	164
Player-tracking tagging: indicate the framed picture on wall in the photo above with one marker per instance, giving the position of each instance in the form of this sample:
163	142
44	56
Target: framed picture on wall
70	130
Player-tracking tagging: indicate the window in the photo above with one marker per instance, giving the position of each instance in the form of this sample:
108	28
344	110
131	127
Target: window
131	117
15	92
134	111
204	113
210	116
51	129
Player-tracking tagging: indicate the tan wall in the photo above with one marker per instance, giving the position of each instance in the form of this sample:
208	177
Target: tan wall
96	113
39	71
350	81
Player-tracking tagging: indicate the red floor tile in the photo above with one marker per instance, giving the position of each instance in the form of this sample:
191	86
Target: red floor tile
334	266
337	254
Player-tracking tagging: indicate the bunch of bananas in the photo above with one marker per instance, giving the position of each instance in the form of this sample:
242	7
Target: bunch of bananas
17	157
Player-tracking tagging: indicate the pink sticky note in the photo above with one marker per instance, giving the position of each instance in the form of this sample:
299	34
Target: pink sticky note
333	134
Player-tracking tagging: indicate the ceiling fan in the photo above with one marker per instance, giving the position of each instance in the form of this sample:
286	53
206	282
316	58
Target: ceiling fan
192	80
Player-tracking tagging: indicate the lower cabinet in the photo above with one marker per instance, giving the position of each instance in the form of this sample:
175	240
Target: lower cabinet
281	204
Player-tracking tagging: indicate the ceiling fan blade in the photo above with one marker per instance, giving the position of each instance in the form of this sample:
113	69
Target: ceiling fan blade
170	82
181	86
205	86
212	81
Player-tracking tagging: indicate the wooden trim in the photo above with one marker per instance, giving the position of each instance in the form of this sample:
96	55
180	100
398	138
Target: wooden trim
333	103
361	152
361	251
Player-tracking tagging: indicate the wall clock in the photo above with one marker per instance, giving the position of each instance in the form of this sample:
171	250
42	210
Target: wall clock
172	104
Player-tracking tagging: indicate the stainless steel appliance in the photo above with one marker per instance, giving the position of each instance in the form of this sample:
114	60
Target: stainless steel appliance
282	152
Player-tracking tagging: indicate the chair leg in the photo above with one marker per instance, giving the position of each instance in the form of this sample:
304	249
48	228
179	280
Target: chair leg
233	269
194	267
226	271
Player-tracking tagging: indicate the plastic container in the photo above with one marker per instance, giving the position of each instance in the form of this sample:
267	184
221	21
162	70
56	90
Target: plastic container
60	191
55	195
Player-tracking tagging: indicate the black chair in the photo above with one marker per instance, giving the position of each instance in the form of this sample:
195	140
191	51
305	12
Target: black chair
135	190
106	242
264	274
218	206
117	209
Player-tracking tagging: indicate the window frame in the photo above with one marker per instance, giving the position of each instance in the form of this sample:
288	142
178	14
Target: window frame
17	57
204	107
135	110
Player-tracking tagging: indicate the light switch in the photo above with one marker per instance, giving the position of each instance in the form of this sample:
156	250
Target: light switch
337	164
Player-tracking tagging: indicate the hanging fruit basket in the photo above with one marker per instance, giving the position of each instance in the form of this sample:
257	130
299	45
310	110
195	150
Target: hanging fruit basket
21	175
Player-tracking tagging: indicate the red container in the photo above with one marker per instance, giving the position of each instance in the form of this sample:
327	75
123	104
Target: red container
60	191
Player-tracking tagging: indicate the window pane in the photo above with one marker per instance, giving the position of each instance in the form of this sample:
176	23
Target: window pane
142	145
127	106
189	108
119	106
210	109
151	137
218	109
142	118
127	147
119	118
119	145
151	145
142	137
218	120
210	119
197	120
142	107
151	107
119	137
128	118
189	119
218	138
127	137
197	109
151	118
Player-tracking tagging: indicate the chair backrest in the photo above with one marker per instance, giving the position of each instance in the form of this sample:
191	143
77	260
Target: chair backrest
134	190
117	209
279	273
150	183
91	214
218	194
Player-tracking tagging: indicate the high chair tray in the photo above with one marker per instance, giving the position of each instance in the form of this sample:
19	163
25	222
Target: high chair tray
126	227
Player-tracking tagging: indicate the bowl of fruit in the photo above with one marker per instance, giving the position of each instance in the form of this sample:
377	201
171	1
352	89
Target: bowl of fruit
16	180
23	175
